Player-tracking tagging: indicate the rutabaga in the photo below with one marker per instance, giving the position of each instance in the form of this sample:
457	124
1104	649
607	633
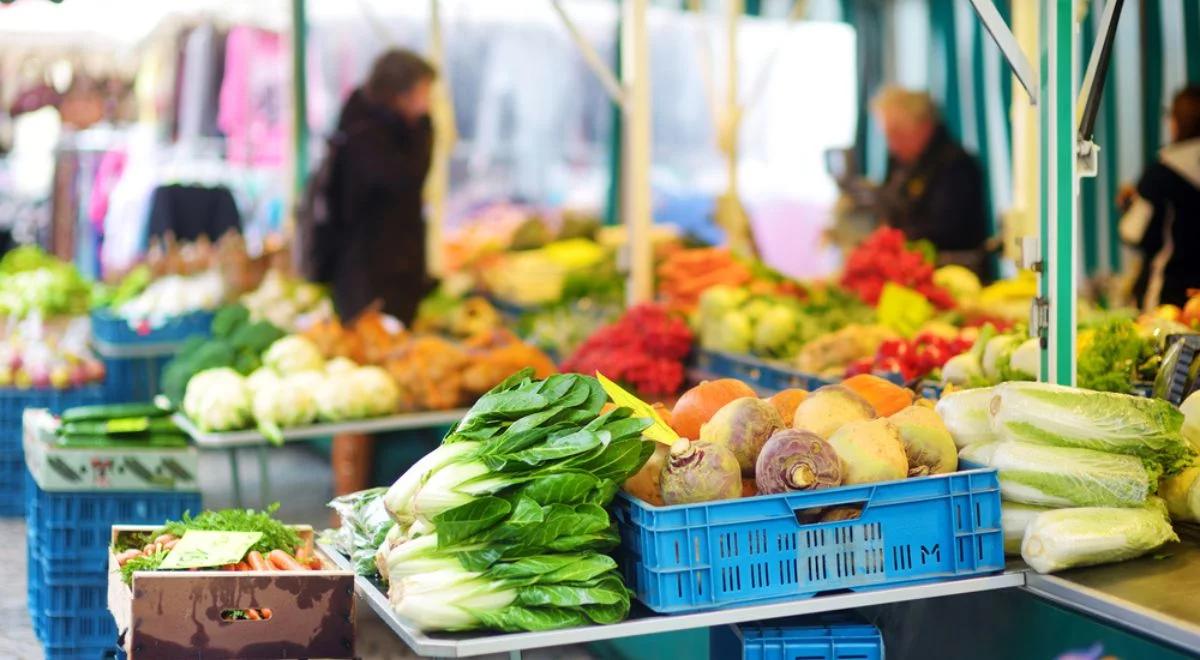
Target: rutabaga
1063	477
1103	421
966	415
1182	495
1064	538
1014	519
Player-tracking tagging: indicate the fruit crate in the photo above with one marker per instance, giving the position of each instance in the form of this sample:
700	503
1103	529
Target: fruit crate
760	374
826	637
13	403
108	328
710	555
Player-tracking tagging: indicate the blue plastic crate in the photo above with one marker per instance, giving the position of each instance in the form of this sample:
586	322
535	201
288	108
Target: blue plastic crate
763	375
80	630
74	529
12	482
111	329
130	379
800	638
705	556
81	653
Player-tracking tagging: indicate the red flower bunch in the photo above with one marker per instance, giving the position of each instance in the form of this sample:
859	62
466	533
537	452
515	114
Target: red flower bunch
644	349
883	257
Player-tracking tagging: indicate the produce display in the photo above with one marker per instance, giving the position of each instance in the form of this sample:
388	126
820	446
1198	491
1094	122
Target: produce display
561	329
287	303
278	549
644	350
541	276
237	343
32	281
923	355
685	274
885	257
729	443
503	526
293	387
1093	459
37	353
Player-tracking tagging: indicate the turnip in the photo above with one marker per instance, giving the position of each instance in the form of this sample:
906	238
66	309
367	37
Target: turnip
870	451
796	460
700	472
743	425
927	443
828	408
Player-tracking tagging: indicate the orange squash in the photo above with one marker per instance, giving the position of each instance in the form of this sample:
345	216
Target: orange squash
700	403
887	397
785	401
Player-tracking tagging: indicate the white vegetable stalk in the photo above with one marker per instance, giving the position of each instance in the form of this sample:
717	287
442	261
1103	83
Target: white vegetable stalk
399	498
445	599
443	488
418	556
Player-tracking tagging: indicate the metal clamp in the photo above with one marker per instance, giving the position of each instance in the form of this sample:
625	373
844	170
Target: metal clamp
1087	158
1039	320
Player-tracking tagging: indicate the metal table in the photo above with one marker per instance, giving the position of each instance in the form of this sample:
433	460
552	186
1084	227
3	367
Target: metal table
645	622
1157	595
231	441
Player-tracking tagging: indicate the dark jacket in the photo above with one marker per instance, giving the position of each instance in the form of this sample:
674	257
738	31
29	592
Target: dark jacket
378	170
1164	224
940	199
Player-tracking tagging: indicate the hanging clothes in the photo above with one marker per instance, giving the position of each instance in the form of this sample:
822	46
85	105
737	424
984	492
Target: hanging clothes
108	174
254	93
189	212
200	74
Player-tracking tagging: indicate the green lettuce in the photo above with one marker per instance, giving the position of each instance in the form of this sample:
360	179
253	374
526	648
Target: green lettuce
1103	421
1064	477
1064	538
966	415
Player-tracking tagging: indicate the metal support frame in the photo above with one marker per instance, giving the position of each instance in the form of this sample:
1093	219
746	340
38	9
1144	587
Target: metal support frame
1059	189
994	23
632	96
299	96
445	137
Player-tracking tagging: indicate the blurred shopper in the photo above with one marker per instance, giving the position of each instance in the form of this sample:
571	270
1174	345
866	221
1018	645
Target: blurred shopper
934	189
368	242
374	248
1163	218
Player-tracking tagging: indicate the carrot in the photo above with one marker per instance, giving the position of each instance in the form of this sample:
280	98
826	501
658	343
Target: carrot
257	562
315	564
301	553
164	538
241	566
266	613
170	544
283	561
127	555
252	614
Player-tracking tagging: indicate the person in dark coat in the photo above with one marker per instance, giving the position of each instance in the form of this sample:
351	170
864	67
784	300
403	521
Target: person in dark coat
934	189
381	158
1162	220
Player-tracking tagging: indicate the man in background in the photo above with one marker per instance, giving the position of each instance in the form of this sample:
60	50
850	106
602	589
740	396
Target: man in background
934	189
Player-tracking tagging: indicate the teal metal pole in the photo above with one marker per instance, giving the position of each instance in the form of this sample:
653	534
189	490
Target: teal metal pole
1059	192
299	95
612	201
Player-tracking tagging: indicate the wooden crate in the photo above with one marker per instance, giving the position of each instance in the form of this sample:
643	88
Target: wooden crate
176	614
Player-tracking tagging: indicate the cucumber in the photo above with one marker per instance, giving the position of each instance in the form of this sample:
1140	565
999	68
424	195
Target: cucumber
90	440
122	426
112	411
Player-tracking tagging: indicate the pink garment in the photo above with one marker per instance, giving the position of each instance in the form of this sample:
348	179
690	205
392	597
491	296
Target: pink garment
253	104
108	173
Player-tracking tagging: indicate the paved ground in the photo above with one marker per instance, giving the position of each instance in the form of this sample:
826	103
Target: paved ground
300	482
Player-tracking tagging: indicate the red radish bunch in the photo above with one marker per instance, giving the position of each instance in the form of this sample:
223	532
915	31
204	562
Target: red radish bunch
883	257
644	349
914	358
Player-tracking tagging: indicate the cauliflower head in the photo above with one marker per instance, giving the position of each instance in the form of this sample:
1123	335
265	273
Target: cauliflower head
293	354
217	400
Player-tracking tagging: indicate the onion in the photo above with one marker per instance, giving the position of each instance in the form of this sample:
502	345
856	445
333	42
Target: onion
796	460
700	472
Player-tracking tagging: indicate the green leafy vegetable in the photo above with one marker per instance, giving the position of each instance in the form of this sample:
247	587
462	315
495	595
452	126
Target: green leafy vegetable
275	535
1112	361
1063	477
1064	538
1070	417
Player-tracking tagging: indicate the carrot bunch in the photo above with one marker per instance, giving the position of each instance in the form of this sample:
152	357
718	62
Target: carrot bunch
275	560
685	274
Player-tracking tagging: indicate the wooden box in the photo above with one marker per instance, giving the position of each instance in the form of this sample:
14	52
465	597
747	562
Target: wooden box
177	614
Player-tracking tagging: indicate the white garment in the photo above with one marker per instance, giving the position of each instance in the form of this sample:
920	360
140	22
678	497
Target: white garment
31	161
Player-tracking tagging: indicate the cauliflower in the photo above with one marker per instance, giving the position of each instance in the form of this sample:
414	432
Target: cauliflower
285	402
217	400
380	395
293	354
362	392
776	329
340	365
261	377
